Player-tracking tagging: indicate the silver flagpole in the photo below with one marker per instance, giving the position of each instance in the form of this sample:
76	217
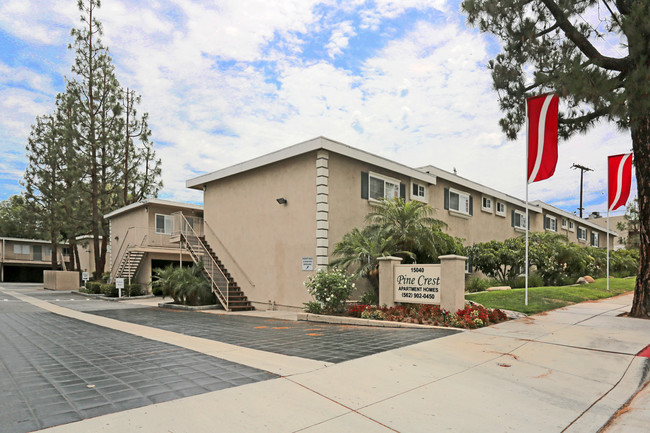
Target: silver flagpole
526	222
608	223
608	241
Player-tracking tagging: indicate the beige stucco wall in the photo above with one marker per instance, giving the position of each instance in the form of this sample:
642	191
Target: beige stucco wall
268	240
133	226
61	280
262	243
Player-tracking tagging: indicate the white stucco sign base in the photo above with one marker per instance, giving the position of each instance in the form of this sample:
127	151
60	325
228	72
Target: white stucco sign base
418	284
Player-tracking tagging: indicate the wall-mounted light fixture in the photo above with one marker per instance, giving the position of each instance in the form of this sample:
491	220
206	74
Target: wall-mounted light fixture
281	200
117	238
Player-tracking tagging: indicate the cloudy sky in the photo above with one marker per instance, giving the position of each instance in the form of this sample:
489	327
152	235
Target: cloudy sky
229	80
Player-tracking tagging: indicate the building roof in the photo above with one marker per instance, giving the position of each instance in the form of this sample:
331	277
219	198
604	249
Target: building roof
155	201
581	221
306	147
34	241
438	172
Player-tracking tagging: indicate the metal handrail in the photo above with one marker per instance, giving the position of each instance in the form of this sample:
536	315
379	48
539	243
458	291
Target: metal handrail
118	255
214	235
213	264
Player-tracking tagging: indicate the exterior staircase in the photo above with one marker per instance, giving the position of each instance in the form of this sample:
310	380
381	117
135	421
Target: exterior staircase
129	265
230	295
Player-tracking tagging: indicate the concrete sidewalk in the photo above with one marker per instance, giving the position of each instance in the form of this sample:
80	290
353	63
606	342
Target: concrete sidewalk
566	370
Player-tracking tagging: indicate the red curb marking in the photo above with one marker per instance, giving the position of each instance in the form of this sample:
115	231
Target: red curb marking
645	352
315	335
260	327
281	327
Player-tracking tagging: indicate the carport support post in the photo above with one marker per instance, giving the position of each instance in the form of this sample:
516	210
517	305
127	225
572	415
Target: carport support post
452	282
386	277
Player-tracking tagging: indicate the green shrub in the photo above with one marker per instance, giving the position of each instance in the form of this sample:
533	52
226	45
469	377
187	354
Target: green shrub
109	290
331	289
370	297
94	287
478	284
534	280
186	286
373	315
313	307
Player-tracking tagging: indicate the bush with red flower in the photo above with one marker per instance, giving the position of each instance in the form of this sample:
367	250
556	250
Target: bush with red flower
470	317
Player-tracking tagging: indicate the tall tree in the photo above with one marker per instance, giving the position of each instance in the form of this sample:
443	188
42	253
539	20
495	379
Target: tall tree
548	46
17	220
116	171
44	189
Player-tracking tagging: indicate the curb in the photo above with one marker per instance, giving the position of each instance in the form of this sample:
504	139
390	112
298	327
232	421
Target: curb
103	297
172	306
340	320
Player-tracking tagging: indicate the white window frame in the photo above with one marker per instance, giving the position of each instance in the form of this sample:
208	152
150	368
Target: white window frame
386	180
460	194
489	206
522	218
554	225
166	229
22	249
584	229
421	188
596	237
502	213
572	226
565	223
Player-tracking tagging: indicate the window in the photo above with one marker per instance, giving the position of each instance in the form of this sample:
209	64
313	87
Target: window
65	251
47	251
572	226
550	223
163	224
21	249
518	219
594	240
458	201
564	223
501	209
486	204
382	187
582	234
418	192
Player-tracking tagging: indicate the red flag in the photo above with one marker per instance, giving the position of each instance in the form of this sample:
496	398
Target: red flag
542	136
619	170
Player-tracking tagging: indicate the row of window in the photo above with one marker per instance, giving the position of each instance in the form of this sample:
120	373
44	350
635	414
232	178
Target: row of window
377	187
550	223
24	249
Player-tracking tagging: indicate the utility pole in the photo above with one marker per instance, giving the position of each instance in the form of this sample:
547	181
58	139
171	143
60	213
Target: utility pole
582	169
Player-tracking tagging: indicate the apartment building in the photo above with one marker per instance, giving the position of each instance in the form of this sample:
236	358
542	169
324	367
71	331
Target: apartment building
274	220
24	260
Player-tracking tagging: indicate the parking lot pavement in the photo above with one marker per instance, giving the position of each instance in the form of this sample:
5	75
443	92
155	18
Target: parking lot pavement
321	342
55	370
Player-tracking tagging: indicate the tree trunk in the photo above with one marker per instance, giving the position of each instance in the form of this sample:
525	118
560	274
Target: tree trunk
641	144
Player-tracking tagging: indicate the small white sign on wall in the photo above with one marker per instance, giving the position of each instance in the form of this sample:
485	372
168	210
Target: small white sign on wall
418	284
307	263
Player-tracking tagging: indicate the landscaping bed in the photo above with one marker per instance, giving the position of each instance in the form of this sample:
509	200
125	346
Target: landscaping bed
470	317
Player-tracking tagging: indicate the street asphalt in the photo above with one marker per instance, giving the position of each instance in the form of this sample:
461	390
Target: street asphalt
73	364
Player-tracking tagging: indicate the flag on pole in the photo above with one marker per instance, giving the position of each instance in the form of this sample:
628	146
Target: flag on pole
619	170
542	136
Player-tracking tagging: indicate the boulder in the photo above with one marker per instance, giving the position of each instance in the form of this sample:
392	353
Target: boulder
492	289
589	279
582	280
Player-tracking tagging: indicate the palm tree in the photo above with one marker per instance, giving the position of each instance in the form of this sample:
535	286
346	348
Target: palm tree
361	249
413	228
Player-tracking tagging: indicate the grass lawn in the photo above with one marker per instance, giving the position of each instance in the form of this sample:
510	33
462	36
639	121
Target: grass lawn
548	298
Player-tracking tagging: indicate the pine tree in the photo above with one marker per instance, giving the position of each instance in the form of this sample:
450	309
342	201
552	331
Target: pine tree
43	178
548	48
